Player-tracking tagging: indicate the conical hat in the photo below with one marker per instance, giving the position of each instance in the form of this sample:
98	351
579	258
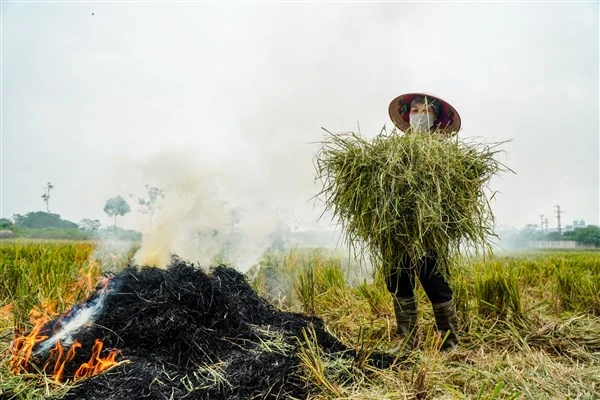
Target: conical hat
448	118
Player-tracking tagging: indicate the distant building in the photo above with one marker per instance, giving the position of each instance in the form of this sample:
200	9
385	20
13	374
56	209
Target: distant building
576	224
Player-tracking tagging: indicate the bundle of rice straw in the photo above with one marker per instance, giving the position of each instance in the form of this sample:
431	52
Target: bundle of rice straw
408	194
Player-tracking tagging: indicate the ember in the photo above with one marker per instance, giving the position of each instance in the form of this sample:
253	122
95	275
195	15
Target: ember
190	334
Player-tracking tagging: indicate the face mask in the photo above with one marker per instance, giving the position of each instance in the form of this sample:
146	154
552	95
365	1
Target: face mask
421	121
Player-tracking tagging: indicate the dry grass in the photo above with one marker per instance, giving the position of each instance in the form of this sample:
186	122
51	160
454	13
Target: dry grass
525	333
519	338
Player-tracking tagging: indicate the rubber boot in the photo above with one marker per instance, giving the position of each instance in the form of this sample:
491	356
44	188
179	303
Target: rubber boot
405	309
445	320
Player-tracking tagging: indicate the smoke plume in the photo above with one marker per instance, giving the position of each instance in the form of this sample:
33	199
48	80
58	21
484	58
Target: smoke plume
207	215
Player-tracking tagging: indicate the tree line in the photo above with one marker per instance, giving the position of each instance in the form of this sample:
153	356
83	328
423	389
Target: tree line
50	225
588	235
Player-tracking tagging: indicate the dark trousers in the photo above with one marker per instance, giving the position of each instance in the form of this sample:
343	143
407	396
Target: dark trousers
401	280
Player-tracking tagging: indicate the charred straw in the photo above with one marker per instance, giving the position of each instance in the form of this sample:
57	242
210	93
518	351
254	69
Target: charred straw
187	333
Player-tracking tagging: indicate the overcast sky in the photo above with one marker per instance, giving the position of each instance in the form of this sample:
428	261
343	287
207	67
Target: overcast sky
100	99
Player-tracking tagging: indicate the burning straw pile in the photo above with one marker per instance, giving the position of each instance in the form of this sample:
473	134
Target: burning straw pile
184	334
412	193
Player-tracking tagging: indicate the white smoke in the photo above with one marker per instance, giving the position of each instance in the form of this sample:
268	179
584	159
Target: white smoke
209	214
82	317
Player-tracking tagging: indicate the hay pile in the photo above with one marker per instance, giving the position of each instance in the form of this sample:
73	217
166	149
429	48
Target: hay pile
189	334
408	194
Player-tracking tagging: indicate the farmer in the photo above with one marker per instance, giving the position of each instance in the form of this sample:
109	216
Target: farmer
422	112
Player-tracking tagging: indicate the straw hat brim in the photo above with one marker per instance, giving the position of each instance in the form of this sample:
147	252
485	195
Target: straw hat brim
399	110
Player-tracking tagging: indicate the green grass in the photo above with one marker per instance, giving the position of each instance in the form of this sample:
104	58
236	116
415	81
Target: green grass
36	273
497	290
529	322
37	280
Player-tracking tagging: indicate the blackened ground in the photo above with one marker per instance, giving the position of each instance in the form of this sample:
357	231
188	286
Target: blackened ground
189	334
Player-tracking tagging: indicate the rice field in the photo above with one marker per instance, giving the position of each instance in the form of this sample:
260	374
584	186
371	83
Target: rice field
529	322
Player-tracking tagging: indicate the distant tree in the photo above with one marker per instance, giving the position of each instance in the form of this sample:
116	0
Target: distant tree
18	218
87	224
6	223
588	235
46	196
40	219
530	228
554	236
149	204
116	206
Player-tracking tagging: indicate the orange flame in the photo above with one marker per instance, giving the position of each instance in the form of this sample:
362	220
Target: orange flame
22	349
43	313
96	364
89	274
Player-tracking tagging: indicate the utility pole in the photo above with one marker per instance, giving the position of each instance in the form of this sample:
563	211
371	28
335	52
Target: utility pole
542	222
558	212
